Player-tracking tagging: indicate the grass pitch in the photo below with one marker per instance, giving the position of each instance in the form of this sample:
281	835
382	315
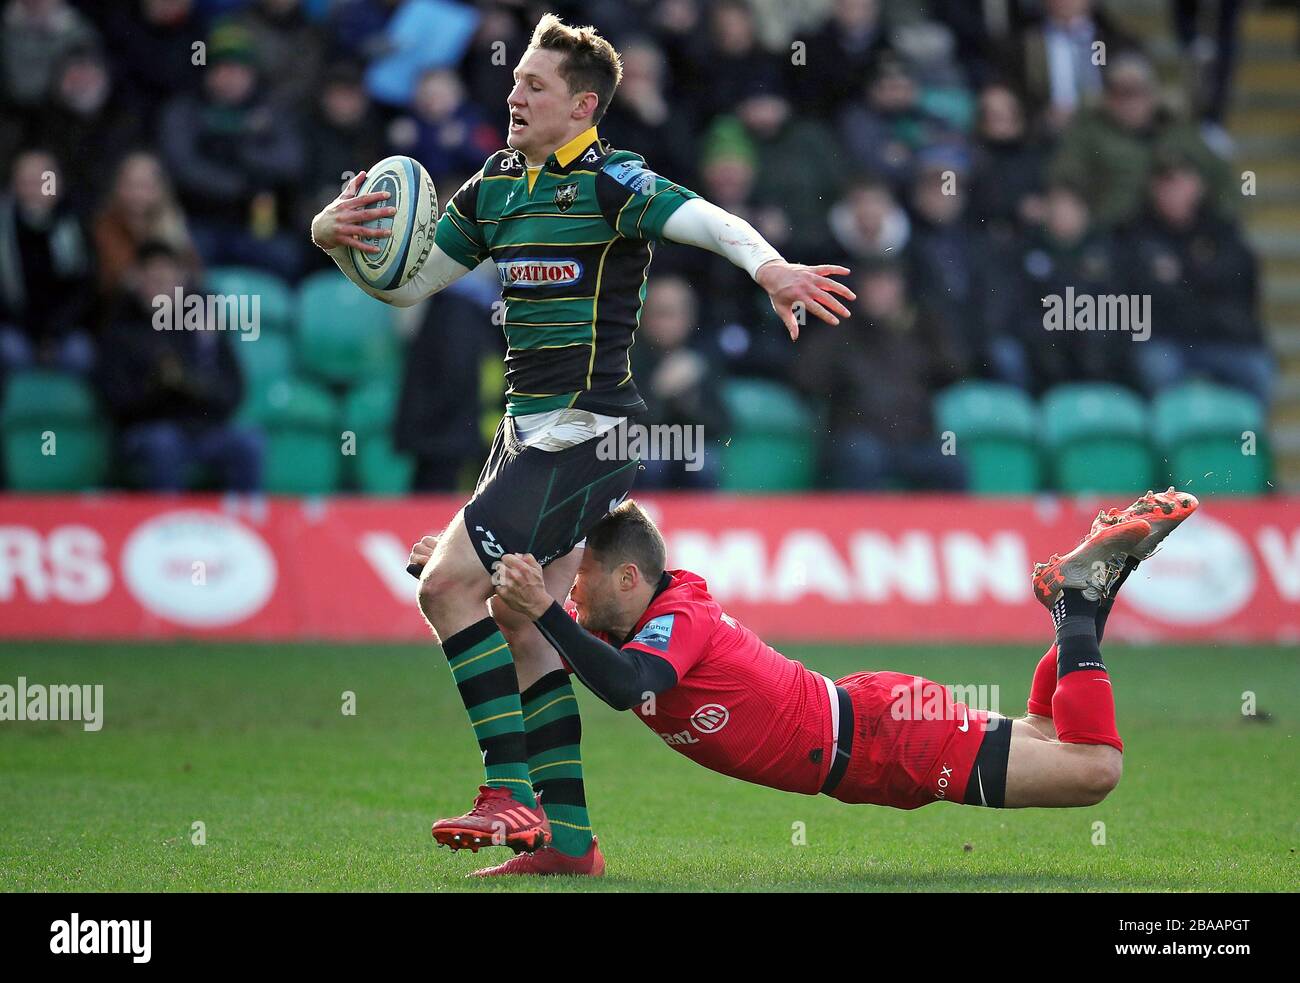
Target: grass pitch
250	741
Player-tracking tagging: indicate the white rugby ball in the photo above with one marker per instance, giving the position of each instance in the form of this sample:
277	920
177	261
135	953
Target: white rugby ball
411	192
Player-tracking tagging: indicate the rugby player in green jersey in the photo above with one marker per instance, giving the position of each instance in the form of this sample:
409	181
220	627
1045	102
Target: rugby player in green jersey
570	224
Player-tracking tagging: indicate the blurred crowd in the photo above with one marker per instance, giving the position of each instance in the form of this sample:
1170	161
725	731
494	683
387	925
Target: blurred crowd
965	159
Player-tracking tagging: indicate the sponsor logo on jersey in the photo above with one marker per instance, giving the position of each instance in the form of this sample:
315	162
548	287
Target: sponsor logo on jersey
565	196
633	175
710	718
656	632
590	157
538	272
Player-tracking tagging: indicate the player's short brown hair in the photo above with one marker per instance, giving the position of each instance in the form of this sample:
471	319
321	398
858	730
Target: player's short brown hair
591	64
628	535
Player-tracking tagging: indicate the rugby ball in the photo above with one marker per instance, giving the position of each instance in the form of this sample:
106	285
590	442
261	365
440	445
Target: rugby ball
411	192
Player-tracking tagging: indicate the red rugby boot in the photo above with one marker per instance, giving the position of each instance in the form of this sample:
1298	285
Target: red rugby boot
1164	511
549	862
1093	565
496	820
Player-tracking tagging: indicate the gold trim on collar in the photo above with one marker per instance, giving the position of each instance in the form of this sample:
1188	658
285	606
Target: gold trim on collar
567	154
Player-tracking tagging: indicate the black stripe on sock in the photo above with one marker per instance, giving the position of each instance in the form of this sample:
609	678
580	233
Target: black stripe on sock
1076	645
504	747
490	685
557	733
551	681
562	791
467	638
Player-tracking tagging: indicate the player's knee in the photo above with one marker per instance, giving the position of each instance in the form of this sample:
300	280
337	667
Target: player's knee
1100	775
442	589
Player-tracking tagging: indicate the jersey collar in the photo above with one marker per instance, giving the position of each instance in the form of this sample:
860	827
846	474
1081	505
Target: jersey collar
665	581
567	154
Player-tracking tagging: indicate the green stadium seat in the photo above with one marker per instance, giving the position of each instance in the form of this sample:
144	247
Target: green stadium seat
379	468
772	446
1097	436
1203	430
304	449
344	335
995	427
265	359
275	297
54	433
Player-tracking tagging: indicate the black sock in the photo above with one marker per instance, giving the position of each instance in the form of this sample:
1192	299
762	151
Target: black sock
1076	633
1103	609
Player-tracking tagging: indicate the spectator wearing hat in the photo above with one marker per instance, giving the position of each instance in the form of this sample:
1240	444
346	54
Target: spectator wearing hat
237	160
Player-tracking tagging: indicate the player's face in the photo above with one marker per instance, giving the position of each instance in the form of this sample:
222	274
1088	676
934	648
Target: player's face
541	106
594	594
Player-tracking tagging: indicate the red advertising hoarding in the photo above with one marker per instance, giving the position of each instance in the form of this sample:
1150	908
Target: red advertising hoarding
803	568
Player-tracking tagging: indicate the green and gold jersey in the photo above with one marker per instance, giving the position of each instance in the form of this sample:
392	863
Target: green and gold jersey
572	242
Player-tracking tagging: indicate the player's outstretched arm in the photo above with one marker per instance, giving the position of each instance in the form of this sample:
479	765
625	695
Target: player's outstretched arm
338	227
701	223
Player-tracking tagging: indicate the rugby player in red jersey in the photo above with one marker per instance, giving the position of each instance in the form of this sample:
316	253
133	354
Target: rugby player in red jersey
654	641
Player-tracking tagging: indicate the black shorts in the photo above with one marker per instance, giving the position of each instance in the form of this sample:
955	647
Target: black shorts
542	502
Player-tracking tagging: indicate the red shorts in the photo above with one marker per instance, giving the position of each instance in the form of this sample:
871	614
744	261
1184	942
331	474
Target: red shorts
912	745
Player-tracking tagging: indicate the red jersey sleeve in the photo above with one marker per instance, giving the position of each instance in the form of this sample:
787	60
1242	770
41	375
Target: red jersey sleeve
680	634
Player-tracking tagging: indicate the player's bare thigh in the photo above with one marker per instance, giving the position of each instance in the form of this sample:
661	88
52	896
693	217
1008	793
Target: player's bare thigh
1044	772
454	586
534	655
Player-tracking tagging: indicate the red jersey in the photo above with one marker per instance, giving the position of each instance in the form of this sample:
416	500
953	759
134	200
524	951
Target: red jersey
739	707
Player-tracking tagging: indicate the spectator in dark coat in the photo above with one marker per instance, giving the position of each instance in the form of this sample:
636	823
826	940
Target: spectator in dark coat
679	381
87	126
949	263
1007	174
344	137
885	129
1202	279
154	56
439	408
736	67
46	283
643	118
876	374
35	36
237	161
1066	251
839	57
173	390
290	49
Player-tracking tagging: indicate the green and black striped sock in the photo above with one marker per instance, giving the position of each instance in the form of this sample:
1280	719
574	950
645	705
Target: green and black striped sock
484	672
554	732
